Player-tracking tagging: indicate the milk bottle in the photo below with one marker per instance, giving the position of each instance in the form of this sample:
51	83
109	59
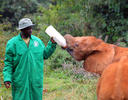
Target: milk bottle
58	38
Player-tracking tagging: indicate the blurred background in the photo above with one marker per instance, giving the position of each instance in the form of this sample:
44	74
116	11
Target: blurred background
64	78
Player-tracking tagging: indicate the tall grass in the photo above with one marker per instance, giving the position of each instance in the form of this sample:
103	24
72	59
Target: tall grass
59	88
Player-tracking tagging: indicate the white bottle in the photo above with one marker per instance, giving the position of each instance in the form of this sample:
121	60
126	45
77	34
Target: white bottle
58	38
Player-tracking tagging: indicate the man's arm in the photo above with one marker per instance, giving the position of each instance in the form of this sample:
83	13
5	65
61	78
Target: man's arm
7	71
50	48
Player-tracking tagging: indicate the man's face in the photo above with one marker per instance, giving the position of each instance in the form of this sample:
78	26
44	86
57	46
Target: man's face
26	32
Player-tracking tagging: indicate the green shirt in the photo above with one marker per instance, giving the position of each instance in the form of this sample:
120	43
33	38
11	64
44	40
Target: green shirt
24	67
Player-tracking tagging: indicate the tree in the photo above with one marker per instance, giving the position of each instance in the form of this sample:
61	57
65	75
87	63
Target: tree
13	10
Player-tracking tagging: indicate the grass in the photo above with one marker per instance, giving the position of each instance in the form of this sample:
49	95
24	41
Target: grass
62	89
59	88
70	91
5	93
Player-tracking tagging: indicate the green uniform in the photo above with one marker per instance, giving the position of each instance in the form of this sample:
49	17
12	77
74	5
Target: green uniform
24	67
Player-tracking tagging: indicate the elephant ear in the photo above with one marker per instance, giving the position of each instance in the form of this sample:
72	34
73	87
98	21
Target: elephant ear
96	45
90	44
68	36
69	40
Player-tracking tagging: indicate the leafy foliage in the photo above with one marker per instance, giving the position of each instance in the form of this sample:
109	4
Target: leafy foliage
58	58
13	10
76	17
87	17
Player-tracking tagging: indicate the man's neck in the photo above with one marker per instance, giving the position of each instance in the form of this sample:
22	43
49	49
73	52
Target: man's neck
26	40
24	36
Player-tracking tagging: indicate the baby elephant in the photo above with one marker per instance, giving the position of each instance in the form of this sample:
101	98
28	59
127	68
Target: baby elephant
97	54
108	60
113	83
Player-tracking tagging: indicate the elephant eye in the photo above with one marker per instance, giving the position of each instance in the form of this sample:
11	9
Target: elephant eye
76	45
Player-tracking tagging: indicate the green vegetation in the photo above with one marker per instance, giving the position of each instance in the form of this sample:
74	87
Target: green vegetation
106	19
64	88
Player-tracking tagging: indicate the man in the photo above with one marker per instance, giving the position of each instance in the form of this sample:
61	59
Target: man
24	63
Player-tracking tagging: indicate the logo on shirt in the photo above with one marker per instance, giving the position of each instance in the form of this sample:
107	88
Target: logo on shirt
36	44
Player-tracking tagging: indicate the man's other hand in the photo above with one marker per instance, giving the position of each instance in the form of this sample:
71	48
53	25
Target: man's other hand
7	84
52	40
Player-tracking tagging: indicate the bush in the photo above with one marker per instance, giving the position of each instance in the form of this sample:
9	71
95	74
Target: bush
12	10
57	59
87	17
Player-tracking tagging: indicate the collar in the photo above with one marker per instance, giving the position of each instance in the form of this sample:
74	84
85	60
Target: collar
20	38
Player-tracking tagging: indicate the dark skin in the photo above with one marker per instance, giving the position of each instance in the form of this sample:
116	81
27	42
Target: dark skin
7	84
25	33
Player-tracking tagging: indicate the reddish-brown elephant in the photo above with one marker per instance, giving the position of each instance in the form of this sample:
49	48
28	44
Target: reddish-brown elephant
95	53
113	83
108	60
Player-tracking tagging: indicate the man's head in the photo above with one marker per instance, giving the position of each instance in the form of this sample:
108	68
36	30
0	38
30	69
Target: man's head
26	32
25	25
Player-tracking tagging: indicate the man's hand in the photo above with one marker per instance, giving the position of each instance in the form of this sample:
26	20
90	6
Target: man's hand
7	84
64	47
52	40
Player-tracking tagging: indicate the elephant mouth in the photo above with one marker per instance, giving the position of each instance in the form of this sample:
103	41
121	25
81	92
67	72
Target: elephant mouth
70	51
85	56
